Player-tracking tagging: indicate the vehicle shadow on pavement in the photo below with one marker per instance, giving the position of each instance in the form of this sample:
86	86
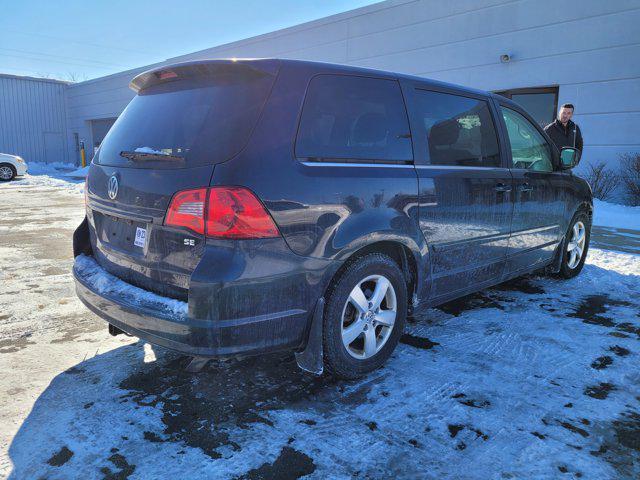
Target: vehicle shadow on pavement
101	409
504	379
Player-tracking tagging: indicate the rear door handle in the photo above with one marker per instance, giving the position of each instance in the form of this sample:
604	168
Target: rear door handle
501	187
525	187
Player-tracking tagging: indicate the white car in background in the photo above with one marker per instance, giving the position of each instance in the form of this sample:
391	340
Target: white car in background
11	166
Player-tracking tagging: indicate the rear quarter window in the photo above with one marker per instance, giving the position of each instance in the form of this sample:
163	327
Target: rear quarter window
354	118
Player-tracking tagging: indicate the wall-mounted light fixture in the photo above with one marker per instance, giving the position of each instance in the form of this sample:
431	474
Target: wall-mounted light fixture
505	58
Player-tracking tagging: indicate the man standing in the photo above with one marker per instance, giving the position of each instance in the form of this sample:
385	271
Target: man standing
563	131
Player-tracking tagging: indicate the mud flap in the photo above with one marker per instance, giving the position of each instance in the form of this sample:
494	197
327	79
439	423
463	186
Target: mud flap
196	364
114	331
555	265
81	241
310	359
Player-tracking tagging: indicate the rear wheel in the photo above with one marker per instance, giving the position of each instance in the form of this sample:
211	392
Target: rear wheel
364	317
576	245
7	172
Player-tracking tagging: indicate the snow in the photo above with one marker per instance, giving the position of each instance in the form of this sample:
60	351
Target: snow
607	214
149	150
525	380
106	284
81	172
53	169
51	175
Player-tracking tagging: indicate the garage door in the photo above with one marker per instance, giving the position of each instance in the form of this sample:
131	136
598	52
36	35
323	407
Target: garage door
99	129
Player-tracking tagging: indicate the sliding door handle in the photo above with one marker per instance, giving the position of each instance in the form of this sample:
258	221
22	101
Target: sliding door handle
501	187
525	187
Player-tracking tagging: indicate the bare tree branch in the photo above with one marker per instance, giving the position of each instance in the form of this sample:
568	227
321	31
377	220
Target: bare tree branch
630	174
602	180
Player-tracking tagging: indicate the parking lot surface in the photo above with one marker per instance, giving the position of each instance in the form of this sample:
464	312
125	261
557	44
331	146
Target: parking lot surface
536	378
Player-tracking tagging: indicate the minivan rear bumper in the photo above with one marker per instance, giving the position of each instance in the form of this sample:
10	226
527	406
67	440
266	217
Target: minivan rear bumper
168	323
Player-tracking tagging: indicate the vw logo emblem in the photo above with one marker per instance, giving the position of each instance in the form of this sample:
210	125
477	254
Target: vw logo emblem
112	187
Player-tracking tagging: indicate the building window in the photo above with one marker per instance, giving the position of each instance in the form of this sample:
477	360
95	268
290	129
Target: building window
540	103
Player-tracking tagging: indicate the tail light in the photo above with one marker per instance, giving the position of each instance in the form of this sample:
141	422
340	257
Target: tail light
221	212
235	212
187	210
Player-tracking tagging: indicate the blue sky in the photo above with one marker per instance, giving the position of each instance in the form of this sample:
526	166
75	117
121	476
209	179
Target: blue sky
80	39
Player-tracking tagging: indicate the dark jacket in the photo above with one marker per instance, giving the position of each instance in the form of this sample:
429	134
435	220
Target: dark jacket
565	137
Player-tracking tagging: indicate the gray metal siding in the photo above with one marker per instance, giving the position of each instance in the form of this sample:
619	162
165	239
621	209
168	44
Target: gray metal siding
33	119
101	98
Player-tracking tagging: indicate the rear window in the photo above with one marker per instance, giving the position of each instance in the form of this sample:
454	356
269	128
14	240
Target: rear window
186	123
358	118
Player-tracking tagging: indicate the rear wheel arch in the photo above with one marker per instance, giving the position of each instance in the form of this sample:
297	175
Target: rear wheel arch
398	251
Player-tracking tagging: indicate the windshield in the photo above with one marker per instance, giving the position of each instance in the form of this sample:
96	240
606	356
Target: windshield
186	123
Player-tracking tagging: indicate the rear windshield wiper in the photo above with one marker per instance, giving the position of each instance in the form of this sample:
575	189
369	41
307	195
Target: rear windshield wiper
137	156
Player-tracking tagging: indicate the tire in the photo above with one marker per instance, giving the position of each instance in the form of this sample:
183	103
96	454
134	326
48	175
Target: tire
379	331
569	268
7	172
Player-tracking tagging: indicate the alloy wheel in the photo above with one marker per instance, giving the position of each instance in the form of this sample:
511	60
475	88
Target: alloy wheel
575	247
6	173
368	316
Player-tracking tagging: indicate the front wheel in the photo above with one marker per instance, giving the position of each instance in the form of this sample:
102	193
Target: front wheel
7	172
364	317
576	245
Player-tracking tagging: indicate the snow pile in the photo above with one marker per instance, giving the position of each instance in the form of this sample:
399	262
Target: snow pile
79	173
53	169
51	175
106	284
613	215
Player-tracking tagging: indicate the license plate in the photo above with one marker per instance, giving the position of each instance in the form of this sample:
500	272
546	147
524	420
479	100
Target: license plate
141	237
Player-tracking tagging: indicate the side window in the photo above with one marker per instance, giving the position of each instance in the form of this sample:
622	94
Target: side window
350	117
459	130
529	149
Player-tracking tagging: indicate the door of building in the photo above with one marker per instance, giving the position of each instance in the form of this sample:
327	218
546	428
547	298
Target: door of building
541	103
53	147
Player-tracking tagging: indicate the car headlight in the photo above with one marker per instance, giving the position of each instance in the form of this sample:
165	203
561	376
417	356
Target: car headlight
19	159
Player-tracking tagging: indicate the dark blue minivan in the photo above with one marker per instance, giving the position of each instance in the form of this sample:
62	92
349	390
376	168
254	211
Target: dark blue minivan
248	206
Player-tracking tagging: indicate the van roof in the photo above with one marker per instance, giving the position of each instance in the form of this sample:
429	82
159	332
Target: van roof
272	65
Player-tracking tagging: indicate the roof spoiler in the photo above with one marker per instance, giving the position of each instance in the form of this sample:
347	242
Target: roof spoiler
203	68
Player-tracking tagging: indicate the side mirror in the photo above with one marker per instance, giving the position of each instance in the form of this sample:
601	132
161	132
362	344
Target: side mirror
569	157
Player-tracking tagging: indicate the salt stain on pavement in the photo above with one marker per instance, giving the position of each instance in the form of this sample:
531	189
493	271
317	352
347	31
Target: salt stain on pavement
500	384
